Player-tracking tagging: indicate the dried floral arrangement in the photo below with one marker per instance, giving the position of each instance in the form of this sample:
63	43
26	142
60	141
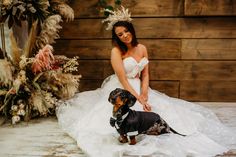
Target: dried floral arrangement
32	79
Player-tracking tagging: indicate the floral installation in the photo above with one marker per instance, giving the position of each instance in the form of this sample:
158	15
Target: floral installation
34	87
32	79
44	15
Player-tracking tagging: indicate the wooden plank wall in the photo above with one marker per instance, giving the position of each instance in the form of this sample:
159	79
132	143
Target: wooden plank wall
191	45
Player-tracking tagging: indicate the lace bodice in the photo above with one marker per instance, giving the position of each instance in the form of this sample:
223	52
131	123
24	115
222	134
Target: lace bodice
134	68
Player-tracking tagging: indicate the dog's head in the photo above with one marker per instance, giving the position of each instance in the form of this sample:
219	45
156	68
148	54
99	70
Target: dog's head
121	99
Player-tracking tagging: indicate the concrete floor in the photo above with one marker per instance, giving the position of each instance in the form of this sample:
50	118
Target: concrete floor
44	138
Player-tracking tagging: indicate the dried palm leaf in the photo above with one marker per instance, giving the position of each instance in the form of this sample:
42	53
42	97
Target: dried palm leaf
5	73
15	50
31	40
49	32
3	92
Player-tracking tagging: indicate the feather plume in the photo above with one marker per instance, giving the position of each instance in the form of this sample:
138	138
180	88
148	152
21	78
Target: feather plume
43	60
49	33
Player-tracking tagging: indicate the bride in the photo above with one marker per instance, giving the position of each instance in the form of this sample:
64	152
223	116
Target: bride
86	116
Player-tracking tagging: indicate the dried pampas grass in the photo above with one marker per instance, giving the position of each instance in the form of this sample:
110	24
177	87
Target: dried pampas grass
6	2
70	85
50	101
67	84
37	102
65	11
49	33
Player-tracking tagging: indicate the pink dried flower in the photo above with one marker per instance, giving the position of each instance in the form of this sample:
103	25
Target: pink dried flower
43	60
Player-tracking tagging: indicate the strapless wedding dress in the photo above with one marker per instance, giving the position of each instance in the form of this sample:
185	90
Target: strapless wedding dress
86	116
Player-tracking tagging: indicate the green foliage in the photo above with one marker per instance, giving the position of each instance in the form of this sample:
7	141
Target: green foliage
103	4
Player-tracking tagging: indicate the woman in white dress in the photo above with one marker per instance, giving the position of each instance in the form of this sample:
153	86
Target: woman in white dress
86	116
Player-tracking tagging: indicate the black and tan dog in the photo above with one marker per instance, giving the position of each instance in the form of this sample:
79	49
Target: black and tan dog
131	123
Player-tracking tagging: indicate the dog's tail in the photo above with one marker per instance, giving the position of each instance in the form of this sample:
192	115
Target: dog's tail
175	132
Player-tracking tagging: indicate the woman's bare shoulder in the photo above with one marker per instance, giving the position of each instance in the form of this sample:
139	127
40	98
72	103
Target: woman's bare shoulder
115	52
142	50
141	46
115	49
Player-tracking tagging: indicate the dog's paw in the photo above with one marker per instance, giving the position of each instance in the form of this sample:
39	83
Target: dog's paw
123	139
132	142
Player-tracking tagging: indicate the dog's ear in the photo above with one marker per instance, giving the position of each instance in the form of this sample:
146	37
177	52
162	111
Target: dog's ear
130	98
114	94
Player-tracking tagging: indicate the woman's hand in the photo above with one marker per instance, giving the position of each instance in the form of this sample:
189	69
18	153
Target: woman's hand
147	107
143	101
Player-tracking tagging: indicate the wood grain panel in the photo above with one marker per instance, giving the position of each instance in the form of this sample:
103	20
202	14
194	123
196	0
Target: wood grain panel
100	49
85	9
170	88
216	27
162	48
136	7
211	49
85	49
95	69
193	70
155	7
167	70
210	7
223	91
86	85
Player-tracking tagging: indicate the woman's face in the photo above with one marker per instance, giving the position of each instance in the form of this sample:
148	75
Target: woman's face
123	34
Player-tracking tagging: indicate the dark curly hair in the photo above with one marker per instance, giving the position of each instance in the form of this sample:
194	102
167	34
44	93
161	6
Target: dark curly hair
115	39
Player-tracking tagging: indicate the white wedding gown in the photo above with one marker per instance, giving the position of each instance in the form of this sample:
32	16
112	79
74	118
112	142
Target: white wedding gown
86	118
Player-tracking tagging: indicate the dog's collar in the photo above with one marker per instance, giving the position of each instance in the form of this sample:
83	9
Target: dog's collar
119	122
123	117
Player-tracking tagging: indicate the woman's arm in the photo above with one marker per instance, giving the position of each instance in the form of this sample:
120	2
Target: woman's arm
145	76
117	65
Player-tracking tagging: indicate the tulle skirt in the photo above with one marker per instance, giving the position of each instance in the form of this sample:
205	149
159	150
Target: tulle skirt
86	116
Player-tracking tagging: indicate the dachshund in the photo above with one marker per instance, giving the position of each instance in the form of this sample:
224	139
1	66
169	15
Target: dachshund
130	122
